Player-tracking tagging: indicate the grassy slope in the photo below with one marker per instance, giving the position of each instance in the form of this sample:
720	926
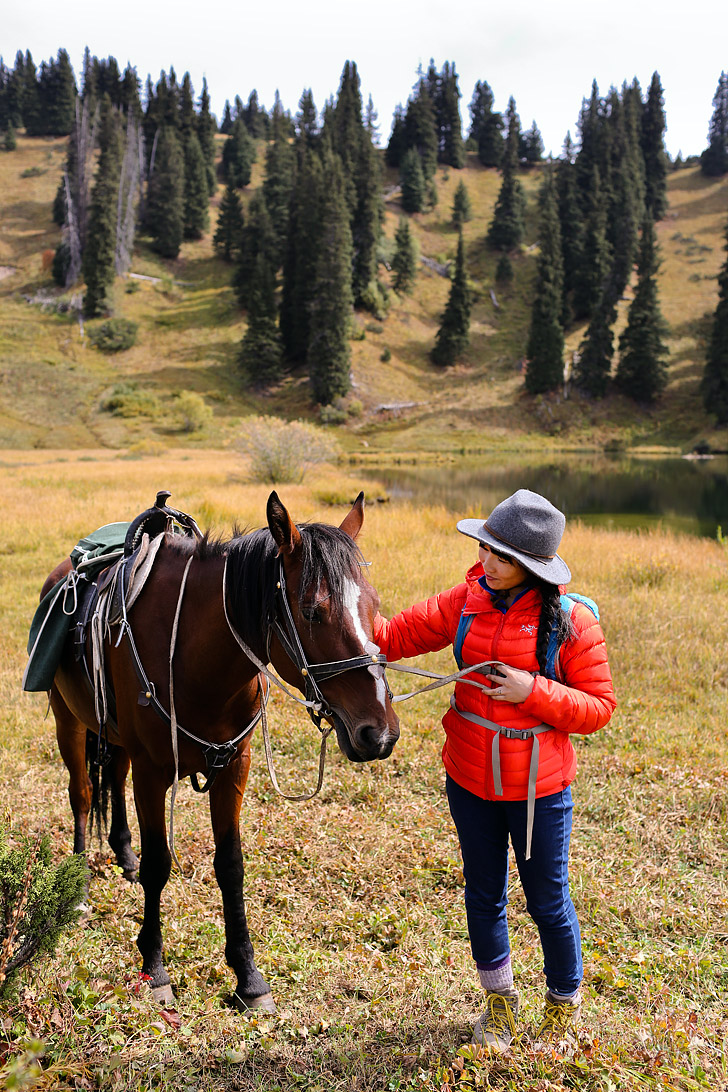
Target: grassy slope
53	380
355	898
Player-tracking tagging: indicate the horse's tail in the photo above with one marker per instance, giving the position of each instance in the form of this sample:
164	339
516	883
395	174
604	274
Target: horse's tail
98	774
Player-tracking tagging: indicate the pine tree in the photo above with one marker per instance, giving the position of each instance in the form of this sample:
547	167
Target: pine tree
451	149
486	126
404	261
715	377
412	181
366	225
590	280
187	118
226	125
371	121
10	142
714	160
32	117
230	222
299	267
627	186
59	97
642	369
531	147
307	119
397	145
507	226
238	156
257	237
420	129
255	117
329	354
100	251
571	225
461	208
261	350
165	196
196	193
594	365
545	350
454	334
653	150
280	175
205	125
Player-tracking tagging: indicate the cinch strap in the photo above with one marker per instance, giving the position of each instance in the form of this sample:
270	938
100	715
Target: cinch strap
512	733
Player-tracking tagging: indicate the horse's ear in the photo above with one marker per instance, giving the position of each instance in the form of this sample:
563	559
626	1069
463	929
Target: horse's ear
353	522
281	525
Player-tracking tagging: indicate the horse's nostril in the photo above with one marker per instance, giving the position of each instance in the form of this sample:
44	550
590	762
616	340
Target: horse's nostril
376	740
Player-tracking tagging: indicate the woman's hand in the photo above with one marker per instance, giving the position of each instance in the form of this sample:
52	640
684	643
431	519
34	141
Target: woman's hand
515	687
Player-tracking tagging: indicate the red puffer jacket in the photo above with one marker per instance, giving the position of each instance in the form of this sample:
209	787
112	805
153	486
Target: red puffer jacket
583	703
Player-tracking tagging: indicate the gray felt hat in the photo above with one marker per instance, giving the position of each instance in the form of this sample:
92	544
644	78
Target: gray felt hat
527	528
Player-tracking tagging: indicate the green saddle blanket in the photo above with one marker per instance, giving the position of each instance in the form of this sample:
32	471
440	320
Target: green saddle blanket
57	612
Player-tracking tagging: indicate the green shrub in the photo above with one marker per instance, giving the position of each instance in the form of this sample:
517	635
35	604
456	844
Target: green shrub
193	412
334	414
37	902
282	451
114	335
386	355
126	400
355	408
33	172
375	298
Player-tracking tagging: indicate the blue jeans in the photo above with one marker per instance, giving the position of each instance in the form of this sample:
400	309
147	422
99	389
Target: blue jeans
484	827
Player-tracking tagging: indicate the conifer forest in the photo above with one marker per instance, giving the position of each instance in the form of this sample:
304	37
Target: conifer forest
304	249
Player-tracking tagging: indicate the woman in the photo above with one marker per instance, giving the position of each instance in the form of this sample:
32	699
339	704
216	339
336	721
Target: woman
507	751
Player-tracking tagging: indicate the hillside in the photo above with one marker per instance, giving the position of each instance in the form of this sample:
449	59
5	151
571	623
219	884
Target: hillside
54	382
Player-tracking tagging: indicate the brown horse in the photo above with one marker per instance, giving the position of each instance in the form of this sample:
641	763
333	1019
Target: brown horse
291	596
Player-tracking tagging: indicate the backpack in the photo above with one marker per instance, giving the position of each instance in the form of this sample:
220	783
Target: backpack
552	650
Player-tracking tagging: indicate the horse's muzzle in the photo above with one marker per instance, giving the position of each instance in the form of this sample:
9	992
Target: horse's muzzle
364	742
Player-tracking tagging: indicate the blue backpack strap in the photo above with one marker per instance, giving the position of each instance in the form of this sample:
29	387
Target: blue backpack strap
466	621
567	605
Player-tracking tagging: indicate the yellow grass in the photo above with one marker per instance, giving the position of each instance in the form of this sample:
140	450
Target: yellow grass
355	899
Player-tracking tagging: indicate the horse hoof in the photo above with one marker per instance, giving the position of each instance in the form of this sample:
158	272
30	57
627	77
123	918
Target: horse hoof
131	875
163	995
263	1002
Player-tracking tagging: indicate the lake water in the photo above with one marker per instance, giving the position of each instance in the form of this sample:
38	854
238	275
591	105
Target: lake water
685	495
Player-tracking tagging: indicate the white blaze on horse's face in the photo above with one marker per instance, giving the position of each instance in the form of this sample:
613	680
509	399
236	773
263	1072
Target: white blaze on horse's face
352	595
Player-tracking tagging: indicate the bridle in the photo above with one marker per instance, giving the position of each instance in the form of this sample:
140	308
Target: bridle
284	628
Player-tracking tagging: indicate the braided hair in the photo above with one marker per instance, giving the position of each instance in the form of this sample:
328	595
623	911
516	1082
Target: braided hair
551	613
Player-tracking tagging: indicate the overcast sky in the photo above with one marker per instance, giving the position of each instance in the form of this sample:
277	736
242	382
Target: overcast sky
543	52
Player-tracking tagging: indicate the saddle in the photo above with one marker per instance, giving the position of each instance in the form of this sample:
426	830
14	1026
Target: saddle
110	568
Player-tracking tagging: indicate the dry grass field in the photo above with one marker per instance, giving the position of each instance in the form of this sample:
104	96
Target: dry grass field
54	382
355	899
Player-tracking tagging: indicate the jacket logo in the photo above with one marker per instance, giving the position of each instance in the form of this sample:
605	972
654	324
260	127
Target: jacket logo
530	629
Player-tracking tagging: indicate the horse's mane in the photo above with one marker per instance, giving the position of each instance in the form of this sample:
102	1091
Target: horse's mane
329	556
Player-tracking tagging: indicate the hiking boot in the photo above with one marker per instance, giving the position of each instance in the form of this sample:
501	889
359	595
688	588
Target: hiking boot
559	1018
497	1026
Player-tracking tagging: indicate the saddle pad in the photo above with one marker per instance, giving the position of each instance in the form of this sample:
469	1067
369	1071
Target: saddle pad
48	632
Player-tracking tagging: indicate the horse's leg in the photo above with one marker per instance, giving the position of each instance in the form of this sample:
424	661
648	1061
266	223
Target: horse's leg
226	797
71	736
156	863
119	833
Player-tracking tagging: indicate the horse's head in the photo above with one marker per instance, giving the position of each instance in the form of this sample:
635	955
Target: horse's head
332	607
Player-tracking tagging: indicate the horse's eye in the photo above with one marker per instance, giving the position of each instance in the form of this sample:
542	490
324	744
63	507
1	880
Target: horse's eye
311	614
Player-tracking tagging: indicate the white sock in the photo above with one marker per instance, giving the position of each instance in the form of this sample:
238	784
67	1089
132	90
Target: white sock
497	979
